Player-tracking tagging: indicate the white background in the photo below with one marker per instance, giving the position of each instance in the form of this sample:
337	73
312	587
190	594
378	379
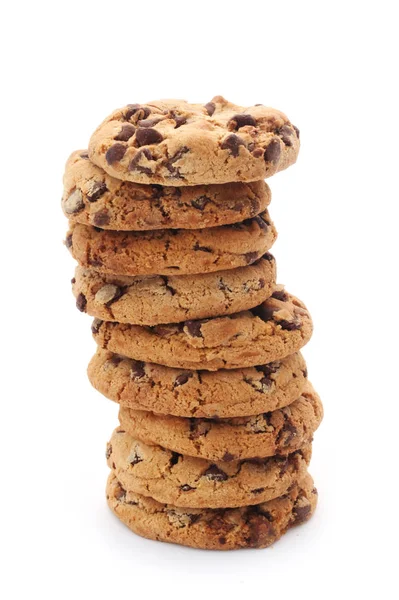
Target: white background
332	67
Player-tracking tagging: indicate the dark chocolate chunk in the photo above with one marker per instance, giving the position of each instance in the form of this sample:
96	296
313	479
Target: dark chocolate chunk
228	457
241	120
141	112
215	474
81	302
194	328
125	133
101	218
115	153
183	378
250	257
273	151
263	311
97	190
134	166
210	108
186	488
108	451
301	513
280	295
150	122
232	142
147	136
199	248
200	202
137	369
95	326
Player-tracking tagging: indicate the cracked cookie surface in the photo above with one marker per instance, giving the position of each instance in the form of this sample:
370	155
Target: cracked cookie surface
173	478
276	328
175	143
92	197
255	526
281	431
172	251
208	394
157	299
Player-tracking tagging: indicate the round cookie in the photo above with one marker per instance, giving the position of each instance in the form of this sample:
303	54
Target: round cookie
157	299
276	328
256	526
278	432
92	197
207	394
172	478
172	142
172	251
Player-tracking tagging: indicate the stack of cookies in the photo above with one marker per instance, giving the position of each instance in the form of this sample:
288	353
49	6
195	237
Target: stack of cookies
196	342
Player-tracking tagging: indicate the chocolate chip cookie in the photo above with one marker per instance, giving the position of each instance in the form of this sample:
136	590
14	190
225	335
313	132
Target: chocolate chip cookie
255	526
172	142
276	328
281	431
92	197
159	299
172	251
172	478
209	394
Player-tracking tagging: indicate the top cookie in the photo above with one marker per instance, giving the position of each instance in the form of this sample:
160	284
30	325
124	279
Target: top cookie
172	142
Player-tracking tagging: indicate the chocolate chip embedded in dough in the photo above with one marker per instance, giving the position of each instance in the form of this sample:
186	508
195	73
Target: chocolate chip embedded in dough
81	302
148	136
273	151
115	153
97	189
74	203
241	120
215	474
210	108
232	143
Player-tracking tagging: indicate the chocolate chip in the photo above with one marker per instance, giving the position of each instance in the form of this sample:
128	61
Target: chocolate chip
141	112
222	540
296	131
182	379
108	294
137	370
258	490
250	257
285	134
241	120
194	328
115	153
186	488
199	248
81	302
134	166
108	451
232	142
95	326
199	428
147	136
115	360
280	295
227	457
177	156
261	283
289	325
200	202
150	122
119	493
261	222
178	119
101	218
257	152
301	513
272	152
174	459
210	108
74	203
261	532
135	457
84	155
287	433
168	287
97	190
215	474
269	369
263	312
305	372
73	280
267	256
125	133
222	286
